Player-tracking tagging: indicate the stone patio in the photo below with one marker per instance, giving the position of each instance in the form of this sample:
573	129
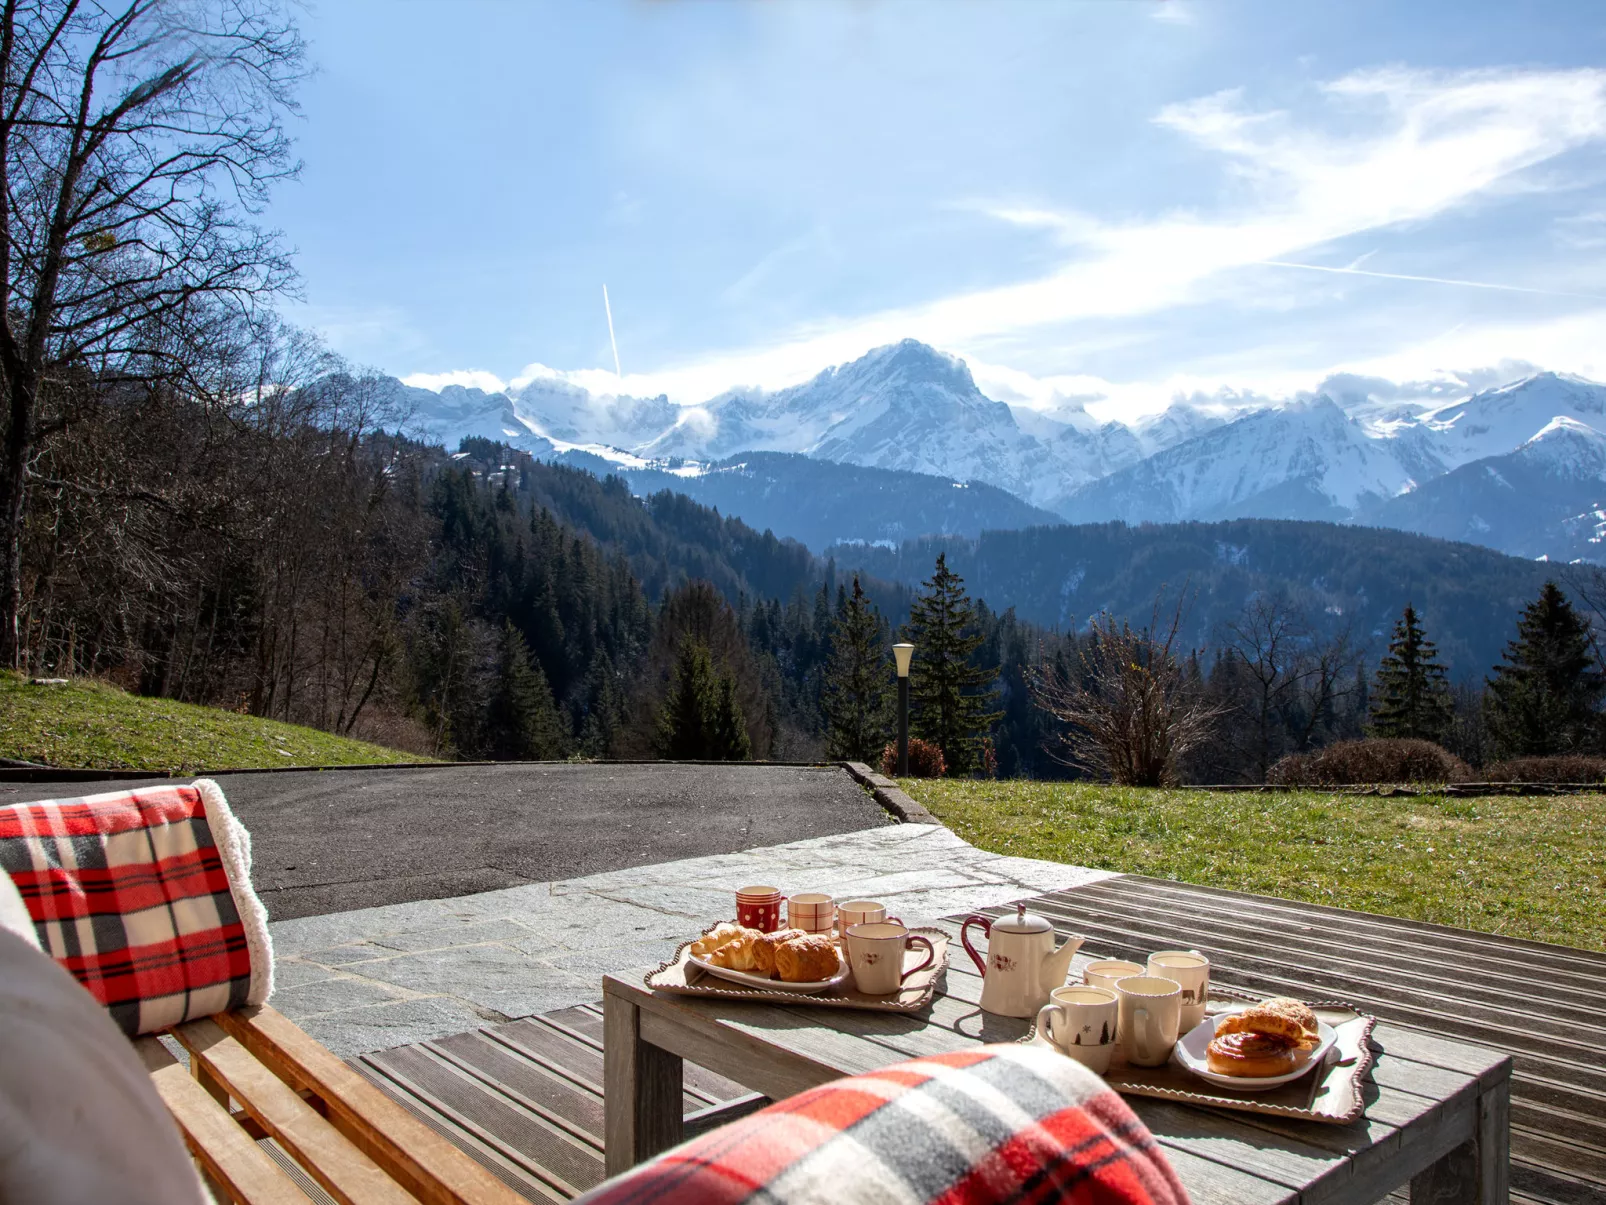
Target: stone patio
382	977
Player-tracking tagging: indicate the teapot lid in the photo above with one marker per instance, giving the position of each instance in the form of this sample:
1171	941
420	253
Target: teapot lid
1022	922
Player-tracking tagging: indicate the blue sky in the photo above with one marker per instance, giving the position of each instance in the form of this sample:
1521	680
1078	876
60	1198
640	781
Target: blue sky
1091	202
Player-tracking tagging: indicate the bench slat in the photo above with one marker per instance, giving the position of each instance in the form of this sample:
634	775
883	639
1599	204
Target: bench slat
221	1147
423	1162
348	1175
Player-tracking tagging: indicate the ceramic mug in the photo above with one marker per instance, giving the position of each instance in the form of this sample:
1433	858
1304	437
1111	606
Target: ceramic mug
811	912
862	912
759	908
1150	1018
875	952
1080	1022
1109	972
1192	970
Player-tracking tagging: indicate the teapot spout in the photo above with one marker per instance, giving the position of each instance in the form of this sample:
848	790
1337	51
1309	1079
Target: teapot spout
1057	965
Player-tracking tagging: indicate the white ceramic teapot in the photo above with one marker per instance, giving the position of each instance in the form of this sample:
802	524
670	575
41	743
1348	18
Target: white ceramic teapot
1022	965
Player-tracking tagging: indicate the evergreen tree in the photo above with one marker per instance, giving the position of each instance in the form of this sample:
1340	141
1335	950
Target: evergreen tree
858	688
702	718
951	697
522	721
1543	700
1410	697
728	729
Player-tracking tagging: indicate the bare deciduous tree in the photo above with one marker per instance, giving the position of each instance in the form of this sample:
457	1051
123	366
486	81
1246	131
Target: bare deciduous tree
135	143
1133	709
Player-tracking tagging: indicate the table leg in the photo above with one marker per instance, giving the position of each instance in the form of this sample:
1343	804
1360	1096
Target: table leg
1478	1171
641	1083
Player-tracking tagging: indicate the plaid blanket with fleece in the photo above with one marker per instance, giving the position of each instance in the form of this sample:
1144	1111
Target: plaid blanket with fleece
145	897
993	1124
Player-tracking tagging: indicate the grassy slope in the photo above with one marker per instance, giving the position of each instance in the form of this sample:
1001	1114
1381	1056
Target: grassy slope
91	726
1526	867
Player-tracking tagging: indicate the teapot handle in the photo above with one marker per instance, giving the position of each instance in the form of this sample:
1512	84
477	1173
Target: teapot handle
964	939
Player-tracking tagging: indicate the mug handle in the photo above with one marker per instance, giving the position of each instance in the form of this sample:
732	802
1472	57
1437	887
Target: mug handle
895	920
931	953
1045	1026
964	940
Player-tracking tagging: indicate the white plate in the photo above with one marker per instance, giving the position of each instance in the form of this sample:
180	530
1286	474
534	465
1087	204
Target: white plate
1190	1053
775	985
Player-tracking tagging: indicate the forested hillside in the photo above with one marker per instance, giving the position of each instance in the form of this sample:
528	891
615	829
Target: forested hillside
1345	578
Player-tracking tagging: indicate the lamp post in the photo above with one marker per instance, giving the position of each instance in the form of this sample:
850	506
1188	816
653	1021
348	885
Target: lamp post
903	654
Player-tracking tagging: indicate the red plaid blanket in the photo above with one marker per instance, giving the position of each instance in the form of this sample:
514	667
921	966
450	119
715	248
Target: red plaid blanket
994	1124
145	896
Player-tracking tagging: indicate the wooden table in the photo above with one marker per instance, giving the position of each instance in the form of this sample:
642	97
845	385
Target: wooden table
1437	1114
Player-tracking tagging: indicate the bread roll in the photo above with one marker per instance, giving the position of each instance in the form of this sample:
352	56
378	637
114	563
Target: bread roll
807	959
1278	1017
737	954
764	949
720	935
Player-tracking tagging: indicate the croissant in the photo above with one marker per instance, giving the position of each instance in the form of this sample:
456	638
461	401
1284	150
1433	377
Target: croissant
720	935
807	959
764	949
738	955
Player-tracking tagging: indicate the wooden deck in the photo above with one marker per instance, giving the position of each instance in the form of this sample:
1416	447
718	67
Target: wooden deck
525	1099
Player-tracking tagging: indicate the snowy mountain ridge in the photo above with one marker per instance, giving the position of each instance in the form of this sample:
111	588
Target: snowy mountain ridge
1338	455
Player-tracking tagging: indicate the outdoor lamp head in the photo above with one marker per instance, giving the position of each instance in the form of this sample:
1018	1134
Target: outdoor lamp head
903	654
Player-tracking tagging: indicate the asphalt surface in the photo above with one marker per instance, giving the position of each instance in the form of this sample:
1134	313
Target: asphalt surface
336	840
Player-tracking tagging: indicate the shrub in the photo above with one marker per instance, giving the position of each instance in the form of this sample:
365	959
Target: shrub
1565	767
1382	760
925	759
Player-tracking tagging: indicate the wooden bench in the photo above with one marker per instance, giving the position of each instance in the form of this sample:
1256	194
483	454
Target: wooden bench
348	1136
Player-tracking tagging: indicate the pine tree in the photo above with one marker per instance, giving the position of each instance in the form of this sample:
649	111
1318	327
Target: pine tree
522	721
1543	700
683	727
1411	698
702	718
858	687
728	729
950	696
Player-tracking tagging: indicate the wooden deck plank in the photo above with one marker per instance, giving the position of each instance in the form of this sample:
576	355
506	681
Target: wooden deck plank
1495	944
1575	995
566	1161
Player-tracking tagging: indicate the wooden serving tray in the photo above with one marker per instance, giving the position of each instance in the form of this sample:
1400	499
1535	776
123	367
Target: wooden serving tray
681	976
1331	1093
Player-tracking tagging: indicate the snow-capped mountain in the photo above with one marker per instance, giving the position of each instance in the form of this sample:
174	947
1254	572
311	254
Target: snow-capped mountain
1527	502
1361	450
1497	421
1306	460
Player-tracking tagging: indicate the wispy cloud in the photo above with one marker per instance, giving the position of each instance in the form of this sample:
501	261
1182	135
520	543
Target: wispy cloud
1384	148
1352	270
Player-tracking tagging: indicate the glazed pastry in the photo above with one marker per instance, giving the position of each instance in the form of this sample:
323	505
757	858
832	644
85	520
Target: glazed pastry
807	959
720	935
738	954
764	949
1253	1055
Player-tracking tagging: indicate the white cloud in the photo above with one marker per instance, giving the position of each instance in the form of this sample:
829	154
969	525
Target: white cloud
1389	147
472	378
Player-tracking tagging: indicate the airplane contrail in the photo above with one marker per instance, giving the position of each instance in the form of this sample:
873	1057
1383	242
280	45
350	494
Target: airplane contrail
1432	280
608	309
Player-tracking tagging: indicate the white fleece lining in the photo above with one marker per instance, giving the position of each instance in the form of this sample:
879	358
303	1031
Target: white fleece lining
234	849
14	916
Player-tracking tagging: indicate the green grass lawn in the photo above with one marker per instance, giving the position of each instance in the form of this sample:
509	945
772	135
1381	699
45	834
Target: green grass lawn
1532	867
87	725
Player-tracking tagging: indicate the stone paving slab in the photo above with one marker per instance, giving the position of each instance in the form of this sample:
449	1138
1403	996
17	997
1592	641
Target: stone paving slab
380	977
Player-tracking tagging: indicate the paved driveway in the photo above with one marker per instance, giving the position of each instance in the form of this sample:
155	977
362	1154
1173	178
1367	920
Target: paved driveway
342	839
